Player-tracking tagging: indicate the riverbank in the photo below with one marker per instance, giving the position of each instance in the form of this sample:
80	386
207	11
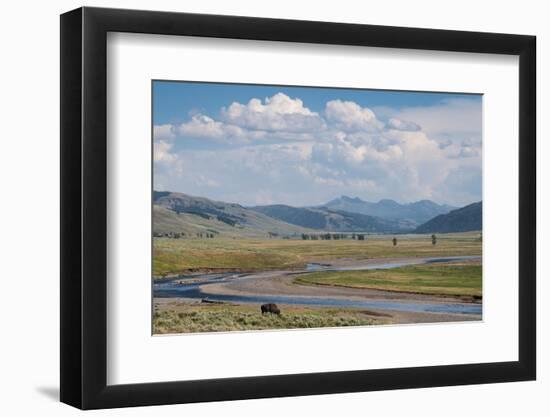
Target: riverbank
174	257
183	315
191	318
457	280
225	302
305	284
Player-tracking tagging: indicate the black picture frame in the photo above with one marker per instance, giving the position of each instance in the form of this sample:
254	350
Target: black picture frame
84	207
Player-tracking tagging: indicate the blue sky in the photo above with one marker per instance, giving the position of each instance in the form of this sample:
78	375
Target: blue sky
254	144
172	100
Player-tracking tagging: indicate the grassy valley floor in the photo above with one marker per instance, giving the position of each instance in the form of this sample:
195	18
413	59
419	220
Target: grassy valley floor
178	317
457	280
173	316
185	256
276	267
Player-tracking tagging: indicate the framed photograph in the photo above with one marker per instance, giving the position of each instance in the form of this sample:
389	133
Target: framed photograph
257	208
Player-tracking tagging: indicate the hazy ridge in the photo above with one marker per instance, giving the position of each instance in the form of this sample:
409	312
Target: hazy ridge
464	219
178	213
418	212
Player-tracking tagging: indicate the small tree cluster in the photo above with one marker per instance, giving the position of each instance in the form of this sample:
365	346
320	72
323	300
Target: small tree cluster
332	236
205	235
171	235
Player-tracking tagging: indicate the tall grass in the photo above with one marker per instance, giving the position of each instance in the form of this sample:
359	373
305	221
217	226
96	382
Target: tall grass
455	280
226	318
179	256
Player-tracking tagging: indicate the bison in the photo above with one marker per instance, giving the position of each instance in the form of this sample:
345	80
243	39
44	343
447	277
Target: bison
270	308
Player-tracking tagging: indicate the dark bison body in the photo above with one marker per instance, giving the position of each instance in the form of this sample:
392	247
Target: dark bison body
270	308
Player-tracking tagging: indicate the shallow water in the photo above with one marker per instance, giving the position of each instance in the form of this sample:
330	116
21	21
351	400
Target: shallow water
365	267
177	288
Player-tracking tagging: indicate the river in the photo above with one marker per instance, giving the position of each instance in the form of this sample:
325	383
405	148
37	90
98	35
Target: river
196	287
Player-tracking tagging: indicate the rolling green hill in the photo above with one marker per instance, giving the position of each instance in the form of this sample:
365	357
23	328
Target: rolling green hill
181	213
322	218
464	219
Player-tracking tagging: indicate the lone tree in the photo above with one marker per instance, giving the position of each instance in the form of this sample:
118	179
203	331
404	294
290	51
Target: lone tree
394	240
434	240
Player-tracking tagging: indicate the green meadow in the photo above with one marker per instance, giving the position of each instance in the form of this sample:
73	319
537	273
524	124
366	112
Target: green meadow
185	318
452	280
184	256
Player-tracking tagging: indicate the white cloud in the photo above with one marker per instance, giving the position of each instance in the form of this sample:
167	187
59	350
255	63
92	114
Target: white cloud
405	125
204	181
163	132
451	118
350	117
280	118
161	152
396	164
286	153
462	150
204	127
278	113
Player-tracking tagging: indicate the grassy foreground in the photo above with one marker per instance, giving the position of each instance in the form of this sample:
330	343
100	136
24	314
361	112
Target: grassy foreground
452	280
191	318
180	256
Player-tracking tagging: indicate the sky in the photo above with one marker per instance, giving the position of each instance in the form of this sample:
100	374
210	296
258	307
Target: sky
303	146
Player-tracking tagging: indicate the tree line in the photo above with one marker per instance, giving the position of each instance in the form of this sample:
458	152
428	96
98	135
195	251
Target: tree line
333	236
182	235
353	236
304	236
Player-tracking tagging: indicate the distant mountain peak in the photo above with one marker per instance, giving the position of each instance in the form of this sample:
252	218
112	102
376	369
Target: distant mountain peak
464	219
427	203
334	220
417	212
351	199
389	201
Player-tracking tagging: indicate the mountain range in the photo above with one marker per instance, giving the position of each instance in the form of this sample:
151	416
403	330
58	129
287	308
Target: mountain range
418	212
184	214
464	219
323	218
